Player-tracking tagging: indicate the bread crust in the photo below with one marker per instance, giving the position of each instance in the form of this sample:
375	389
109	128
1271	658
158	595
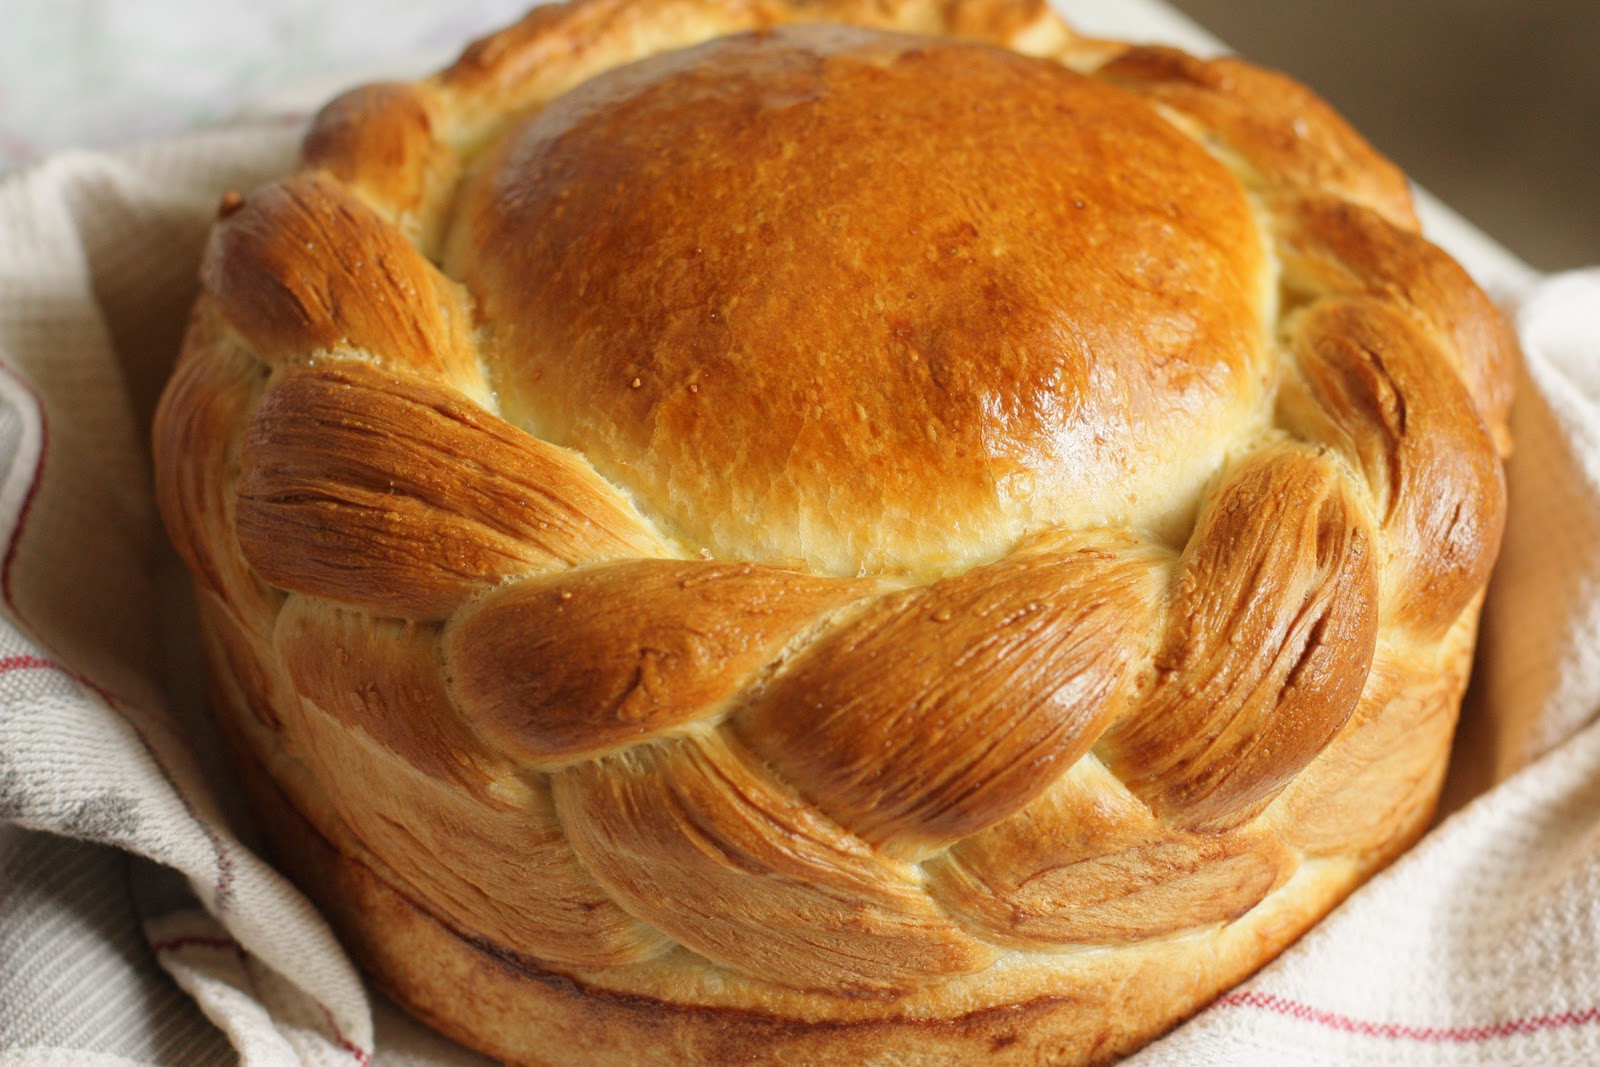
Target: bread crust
482	994
655	623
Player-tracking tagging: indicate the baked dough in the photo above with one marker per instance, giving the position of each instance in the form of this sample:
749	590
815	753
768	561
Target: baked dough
832	531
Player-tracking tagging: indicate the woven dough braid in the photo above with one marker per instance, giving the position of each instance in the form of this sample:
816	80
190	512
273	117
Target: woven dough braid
712	754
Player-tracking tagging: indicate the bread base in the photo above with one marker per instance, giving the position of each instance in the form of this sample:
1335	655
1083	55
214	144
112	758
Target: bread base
1109	1003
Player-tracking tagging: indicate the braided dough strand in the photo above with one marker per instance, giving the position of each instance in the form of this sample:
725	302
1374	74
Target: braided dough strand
590	743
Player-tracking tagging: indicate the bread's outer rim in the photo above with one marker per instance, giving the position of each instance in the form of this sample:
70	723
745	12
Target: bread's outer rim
486	995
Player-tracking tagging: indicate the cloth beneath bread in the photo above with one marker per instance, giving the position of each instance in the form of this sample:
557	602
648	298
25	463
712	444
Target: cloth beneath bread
1476	947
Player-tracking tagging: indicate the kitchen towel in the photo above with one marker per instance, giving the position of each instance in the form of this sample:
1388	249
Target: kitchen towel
122	868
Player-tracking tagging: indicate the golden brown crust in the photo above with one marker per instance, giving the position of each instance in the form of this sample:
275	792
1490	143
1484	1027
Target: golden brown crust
872	548
304	268
1273	624
1284	136
393	494
437	804
694	837
379	142
588	662
1130	877
510	1006
1050	252
1332	246
1000	679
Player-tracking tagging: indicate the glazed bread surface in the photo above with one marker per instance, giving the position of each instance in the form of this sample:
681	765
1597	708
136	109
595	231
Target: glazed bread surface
833	531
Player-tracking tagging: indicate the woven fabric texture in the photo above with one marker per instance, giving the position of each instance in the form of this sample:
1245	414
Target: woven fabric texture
1477	947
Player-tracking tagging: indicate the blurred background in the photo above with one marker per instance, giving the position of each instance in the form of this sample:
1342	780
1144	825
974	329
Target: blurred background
1494	105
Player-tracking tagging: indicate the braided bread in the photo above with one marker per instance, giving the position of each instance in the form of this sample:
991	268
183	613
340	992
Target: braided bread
832	531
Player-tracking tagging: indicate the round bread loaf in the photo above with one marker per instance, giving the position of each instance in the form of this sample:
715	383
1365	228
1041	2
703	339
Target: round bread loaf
832	531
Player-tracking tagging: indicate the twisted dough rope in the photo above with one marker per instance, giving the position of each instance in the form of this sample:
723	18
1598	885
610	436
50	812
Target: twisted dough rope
601	748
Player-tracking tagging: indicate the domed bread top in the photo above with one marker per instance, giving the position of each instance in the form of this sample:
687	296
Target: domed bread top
742	539
1002	294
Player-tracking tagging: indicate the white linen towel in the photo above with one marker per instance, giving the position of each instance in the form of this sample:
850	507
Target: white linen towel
121	866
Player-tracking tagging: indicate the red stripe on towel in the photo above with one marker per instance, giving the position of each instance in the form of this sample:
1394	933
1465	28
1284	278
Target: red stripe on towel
228	944
28	663
1452	1035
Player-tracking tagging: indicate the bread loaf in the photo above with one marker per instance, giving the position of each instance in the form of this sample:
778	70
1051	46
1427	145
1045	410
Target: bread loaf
824	531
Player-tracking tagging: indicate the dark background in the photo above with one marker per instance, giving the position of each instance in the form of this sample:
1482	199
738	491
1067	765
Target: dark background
1492	105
